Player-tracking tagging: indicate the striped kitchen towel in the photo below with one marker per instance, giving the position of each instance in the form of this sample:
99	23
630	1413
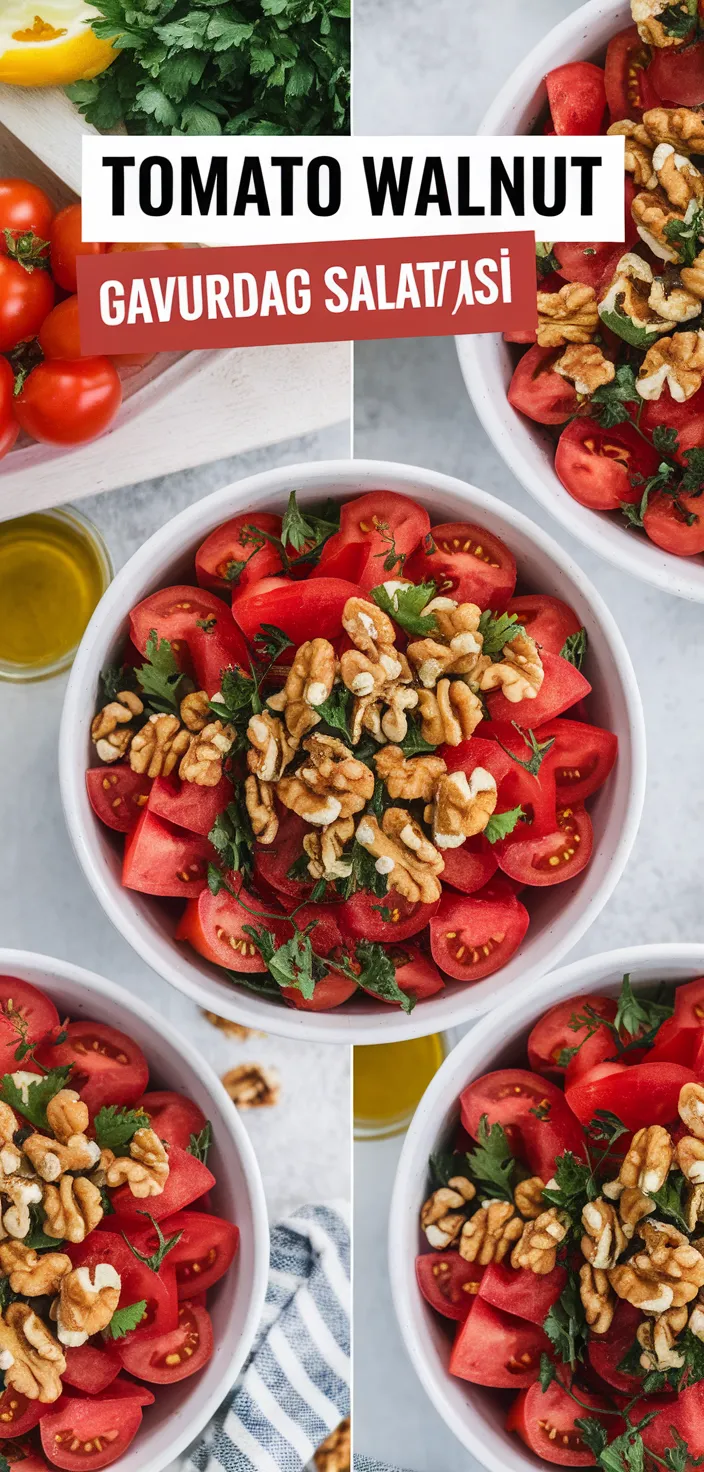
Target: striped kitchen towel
369	1464
294	1388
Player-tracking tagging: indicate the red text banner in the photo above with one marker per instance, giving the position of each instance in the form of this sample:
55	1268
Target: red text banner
340	291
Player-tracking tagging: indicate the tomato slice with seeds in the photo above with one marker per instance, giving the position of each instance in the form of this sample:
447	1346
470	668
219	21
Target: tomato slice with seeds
138	1282
117	795
173	614
374	530
580	758
471	937
497	1349
628	91
88	1434
203	1255
390	918
108	1066
214	926
507	1097
521	1292
554	858
677	527
174	1117
175	1356
33	1010
548	620
546	1421
563	685
17	1414
224	561
468	563
162	859
553	1033
540	393
677	73
599	467
448	1283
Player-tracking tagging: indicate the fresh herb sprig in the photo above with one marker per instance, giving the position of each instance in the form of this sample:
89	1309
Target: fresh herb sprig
115	1127
30	1099
405	606
164	1245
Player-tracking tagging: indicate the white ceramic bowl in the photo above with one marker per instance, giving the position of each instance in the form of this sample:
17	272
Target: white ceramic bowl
487	362
476	1415
235	1303
559	915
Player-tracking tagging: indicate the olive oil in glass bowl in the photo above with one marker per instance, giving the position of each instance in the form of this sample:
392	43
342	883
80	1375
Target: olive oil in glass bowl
54	569
390	1080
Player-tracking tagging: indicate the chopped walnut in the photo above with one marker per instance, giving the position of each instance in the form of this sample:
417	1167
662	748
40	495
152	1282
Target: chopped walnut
21	1194
652	213
334	1455
403	853
537	1248
202	762
72	1209
413	777
195	710
450	713
657	1340
252	1086
271	747
51	1159
325	850
374	662
676	362
604	1238
633	1207
667	1275
399	699
86	1303
456	646
692	277
638	155
10	1156
32	1360
259	802
597	1298
331	785
489	1235
567	315
628	295
680	126
585	366
671	300
528	1198
648	1160
369	628
691	1109
462	807
442	1216
110	742
694	1207
308	684
231	1029
689	1154
67	1115
520	673
29	1274
678	177
645	14
157	748
145	1169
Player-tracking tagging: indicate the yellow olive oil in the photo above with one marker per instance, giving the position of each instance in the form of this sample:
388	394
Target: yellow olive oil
389	1082
53	571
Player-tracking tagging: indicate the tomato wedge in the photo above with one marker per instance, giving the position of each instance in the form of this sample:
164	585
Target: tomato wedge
89	1433
17	1414
188	1179
373	529
677	73
599	467
305	610
173	614
548	620
554	858
202	1256
361	917
272	861
331	991
591	262
108	1067
628	89
214	647
187	805
448	1283
563	686
519	1291
175	1356
553	1034
158	1290
416	974
644	1094
498	1349
90	1369
580	758
471	937
174	1117
224	561
471	866
506	1097
214	926
606	1351
467	563
677	527
545	1421
540	393
679	1037
162	859
117	795
577	97
32	1009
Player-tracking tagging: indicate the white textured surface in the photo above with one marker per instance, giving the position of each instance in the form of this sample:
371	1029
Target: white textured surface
46	905
434	68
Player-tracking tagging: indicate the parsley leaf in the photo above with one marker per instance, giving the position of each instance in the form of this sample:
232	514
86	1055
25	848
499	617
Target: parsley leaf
693	479
607	403
538	750
593	1435
232	837
272	641
678	1457
127	1318
164	1245
363	875
574	648
113	679
566	1324
636	1015
574	1186
30	1099
665	439
414	742
378	975
199	1145
160	677
446	1164
545	259
292	964
238	698
498	630
337	709
491	1163
669	1203
115	1126
501	824
405	606
685	234
679	20
299	529
36	1236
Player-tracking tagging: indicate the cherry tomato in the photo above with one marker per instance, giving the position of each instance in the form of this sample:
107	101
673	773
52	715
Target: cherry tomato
187	1181
203	1254
676	527
331	991
416	974
592	262
466	563
548	620
31	1009
174	1356
162	859
224	562
17	1414
117	795
498	1349
90	1368
108	1066
374	529
67	244
24	208
598	466
553	1034
507	1097
308	610
644	1094
361	917
26	298
106	1426
519	788
214	926
577	97
471	937
606	1351
448	1283
9	428
273	861
521	1292
471	866
629	91
185	803
59	335
554	858
581	757
677	73
563	686
546	1421
69	403
538	391
174	1117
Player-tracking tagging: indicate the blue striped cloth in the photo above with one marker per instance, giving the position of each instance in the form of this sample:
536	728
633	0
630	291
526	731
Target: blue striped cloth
295	1387
368	1464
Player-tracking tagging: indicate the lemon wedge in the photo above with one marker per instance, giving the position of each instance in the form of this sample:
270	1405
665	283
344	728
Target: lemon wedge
49	43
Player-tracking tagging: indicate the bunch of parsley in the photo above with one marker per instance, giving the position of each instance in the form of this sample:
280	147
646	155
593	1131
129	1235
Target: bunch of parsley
211	66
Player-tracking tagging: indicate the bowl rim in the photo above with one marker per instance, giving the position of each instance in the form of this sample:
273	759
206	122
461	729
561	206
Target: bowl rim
168	541
101	986
679	576
459	1067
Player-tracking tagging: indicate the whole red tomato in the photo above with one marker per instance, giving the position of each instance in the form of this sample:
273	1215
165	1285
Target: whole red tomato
9	428
24	207
66	245
59	336
26	298
68	403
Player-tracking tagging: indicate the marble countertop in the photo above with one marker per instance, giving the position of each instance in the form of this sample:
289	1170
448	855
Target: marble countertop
434	68
47	906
